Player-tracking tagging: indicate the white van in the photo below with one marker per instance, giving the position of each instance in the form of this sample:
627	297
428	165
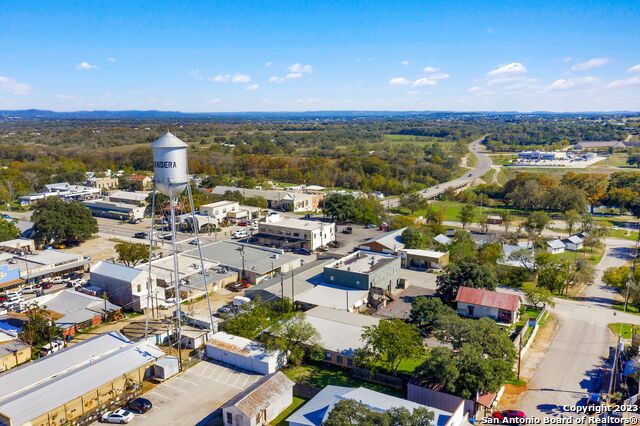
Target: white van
49	348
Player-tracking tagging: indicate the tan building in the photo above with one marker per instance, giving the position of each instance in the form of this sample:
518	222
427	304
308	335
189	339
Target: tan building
427	259
141	181
296	233
77	384
12	353
103	183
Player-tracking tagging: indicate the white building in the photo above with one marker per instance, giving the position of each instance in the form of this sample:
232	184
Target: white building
125	286
113	210
574	242
219	210
38	265
260	403
137	198
63	190
244	353
555	246
296	233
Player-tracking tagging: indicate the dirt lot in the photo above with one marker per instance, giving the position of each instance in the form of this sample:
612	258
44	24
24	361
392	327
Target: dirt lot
97	248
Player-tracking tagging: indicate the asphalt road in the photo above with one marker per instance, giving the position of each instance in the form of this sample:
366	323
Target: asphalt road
578	354
483	165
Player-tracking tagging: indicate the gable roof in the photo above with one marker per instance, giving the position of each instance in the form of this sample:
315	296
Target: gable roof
555	244
575	239
492	299
75	307
443	239
257	397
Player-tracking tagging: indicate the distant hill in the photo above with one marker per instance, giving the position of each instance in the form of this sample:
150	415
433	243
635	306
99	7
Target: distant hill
38	114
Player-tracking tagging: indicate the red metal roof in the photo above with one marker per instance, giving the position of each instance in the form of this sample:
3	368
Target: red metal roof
492	299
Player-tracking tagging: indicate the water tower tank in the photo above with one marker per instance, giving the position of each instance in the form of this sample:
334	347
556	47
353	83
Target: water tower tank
170	164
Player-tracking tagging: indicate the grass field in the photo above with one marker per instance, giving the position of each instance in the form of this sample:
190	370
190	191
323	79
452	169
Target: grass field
592	257
623	330
452	210
320	376
280	420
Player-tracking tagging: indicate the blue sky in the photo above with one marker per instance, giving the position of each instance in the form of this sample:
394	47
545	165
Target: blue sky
315	55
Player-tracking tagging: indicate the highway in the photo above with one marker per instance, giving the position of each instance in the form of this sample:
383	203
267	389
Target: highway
483	165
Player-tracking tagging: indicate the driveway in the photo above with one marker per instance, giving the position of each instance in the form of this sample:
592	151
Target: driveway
579	352
192	397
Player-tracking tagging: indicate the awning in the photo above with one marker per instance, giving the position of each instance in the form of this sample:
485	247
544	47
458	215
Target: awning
12	283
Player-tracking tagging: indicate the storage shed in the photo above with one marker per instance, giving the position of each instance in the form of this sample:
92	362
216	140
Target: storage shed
166	367
244	353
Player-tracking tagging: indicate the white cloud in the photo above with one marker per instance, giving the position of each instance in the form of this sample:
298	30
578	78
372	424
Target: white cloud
64	97
85	66
292	75
568	59
10	85
298	68
424	82
111	59
479	91
412	92
571	83
428	69
268	64
509	69
215	100
635	68
240	78
399	81
253	87
590	64
405	63
235	78
633	81
220	78
276	79
439	76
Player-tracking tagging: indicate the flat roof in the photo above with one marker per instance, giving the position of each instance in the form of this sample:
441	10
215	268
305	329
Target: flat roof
297	224
111	205
256	259
61	377
304	278
129	195
391	240
115	271
425	253
340	331
219	204
332	296
363	262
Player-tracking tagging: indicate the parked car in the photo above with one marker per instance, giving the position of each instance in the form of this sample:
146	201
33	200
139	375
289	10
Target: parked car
118	416
334	244
369	226
49	348
31	288
303	251
240	233
47	285
167	237
242	223
509	415
141	235
74	276
348	230
308	216
76	283
254	226
136	220
140	405
194	242
57	280
235	287
224	310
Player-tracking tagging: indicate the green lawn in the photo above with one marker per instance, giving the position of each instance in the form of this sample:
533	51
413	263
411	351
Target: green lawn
592	256
409	365
280	420
624	234
630	309
624	330
452	210
618	159
320	376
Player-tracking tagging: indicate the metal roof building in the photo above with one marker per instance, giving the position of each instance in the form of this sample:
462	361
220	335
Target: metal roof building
314	412
65	384
492	299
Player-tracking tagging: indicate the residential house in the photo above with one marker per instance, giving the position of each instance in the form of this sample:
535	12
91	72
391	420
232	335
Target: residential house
555	246
340	333
423	259
296	233
479	303
573	242
244	353
389	242
13	352
494	220
443	239
140	181
317	409
260	403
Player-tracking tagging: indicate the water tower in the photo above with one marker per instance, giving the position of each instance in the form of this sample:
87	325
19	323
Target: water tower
171	178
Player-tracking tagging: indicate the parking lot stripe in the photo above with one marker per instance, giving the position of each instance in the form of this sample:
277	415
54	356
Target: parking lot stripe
161	396
175	389
204	370
188	381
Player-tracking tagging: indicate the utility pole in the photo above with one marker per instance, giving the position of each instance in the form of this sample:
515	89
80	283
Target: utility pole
292	286
282	289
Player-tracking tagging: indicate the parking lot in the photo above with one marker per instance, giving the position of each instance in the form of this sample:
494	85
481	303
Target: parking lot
192	397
